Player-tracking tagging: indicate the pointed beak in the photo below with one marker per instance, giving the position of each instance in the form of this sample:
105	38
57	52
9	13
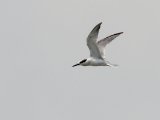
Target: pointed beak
76	65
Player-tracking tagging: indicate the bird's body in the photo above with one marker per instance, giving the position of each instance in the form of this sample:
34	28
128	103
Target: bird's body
97	49
94	62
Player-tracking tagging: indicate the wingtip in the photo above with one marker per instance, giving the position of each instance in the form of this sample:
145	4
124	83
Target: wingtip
100	23
118	33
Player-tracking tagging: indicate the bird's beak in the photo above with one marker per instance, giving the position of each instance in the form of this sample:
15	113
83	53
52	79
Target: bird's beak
76	65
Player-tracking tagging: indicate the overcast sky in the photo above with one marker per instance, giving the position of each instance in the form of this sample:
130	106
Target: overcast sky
41	39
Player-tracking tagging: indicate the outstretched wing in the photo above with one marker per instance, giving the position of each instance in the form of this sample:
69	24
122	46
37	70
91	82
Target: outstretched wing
102	43
91	42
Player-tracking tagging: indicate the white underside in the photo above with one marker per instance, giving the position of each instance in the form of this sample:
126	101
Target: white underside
94	62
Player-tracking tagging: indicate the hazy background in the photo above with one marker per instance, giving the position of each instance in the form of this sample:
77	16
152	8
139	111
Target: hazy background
41	39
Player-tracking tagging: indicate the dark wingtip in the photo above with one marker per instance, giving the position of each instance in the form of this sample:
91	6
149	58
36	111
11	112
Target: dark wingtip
118	33
99	24
96	28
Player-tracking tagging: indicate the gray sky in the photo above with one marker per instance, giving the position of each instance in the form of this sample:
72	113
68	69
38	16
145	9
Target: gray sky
41	39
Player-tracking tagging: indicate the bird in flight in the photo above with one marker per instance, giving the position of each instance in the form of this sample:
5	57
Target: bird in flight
97	49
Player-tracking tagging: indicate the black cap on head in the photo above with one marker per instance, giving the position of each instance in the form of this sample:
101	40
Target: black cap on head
83	61
80	62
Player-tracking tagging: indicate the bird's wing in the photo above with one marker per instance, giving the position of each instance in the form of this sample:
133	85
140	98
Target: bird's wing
91	42
102	43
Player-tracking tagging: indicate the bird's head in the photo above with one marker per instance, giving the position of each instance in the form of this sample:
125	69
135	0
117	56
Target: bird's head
80	63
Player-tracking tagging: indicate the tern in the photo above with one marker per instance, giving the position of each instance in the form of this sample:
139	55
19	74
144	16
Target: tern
97	49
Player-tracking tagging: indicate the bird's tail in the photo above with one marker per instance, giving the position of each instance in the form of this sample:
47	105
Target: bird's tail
111	64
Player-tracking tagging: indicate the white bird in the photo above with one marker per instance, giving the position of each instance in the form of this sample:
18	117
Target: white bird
97	49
